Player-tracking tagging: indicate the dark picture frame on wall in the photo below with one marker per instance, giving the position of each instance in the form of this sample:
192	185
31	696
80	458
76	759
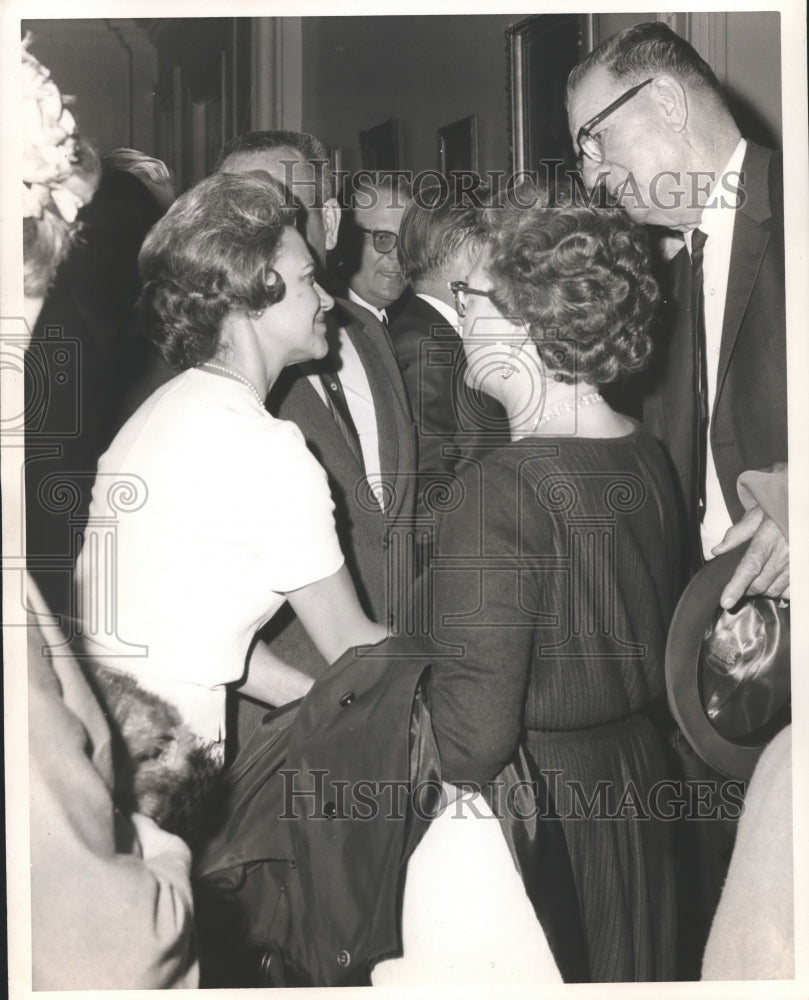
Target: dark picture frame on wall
540	52
458	146
381	146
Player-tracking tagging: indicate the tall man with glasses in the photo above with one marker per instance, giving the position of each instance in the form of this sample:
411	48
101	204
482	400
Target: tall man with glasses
652	125
352	409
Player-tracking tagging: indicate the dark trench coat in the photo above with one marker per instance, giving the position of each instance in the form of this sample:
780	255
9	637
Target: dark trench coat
301	882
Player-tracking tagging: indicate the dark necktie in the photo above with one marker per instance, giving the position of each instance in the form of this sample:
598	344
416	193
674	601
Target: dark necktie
336	401
698	239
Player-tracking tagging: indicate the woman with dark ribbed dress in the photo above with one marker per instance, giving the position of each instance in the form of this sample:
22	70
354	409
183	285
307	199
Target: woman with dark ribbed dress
555	572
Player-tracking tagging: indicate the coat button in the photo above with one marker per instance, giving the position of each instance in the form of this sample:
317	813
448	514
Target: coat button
329	810
344	959
385	542
347	698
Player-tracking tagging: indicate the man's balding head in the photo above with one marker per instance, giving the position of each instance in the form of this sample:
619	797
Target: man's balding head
673	133
298	160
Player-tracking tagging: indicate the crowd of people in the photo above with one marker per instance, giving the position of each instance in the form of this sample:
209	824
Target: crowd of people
363	669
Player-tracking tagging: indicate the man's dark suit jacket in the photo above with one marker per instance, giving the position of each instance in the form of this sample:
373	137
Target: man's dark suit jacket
364	530
748	428
450	417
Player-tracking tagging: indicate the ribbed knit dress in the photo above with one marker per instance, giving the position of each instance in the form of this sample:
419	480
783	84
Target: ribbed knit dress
552	587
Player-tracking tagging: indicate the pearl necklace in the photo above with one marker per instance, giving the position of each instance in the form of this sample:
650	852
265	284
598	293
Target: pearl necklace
569	405
237	375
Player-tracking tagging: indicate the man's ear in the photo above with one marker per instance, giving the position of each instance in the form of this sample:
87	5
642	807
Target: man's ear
672	100
331	221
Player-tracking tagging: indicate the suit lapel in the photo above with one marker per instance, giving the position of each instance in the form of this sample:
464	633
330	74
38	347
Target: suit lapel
751	235
384	378
294	398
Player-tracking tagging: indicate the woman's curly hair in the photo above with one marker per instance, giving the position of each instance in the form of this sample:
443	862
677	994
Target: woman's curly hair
212	254
578	277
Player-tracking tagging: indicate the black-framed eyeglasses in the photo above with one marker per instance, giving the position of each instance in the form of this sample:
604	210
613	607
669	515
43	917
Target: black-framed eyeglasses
384	240
589	144
460	290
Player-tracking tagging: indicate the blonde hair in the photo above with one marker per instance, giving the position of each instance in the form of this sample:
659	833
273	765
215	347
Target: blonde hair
133	161
60	173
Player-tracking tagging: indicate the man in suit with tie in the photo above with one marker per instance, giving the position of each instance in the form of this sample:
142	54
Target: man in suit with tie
353	410
651	124
439	241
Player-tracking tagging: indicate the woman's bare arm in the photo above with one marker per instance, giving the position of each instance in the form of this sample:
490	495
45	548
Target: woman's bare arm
271	679
330	612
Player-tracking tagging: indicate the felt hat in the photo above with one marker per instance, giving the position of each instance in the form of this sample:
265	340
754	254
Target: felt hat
728	672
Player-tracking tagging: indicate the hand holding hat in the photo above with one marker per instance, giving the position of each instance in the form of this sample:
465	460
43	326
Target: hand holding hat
728	672
728	650
764	568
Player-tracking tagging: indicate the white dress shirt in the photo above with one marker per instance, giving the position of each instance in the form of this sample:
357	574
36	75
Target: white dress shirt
718	218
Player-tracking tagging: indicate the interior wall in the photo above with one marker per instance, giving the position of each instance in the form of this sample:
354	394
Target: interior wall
110	66
744	50
360	71
344	74
753	74
608	24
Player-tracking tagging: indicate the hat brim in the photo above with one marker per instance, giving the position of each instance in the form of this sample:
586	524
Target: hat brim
692	617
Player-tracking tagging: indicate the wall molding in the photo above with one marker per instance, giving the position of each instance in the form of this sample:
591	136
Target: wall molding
708	33
276	73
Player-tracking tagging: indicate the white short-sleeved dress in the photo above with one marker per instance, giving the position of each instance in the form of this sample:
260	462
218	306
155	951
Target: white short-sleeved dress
206	510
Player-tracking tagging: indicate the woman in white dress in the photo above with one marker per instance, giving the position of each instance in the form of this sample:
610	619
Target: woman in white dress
207	512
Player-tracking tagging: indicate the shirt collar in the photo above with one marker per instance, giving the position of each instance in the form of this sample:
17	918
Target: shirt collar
444	308
380	314
718	214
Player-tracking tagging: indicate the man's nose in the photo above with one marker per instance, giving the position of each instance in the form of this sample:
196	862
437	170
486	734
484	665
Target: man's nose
593	173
